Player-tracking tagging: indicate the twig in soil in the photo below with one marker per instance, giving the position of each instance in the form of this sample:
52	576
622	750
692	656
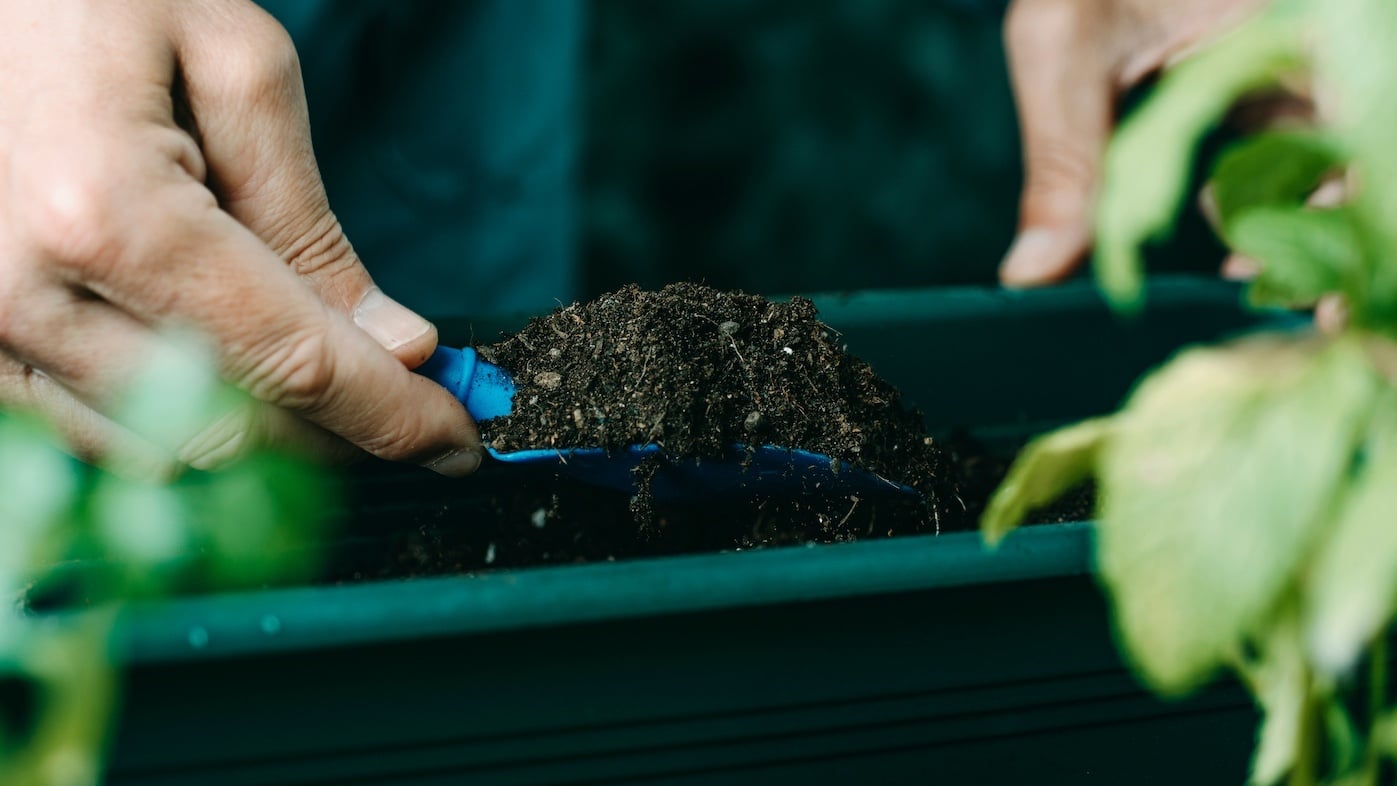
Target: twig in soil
852	507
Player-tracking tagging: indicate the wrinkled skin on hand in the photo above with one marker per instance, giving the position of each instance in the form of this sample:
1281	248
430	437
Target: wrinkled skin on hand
1070	61
156	172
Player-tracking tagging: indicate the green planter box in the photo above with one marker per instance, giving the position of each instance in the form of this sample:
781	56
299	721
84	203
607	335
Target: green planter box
913	660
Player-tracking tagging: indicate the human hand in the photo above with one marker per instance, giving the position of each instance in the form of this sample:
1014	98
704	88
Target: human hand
156	171
1070	61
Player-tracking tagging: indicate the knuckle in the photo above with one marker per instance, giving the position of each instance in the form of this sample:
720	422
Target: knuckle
10	323
16	381
263	63
72	220
224	441
404	441
1058	170
1033	26
11	306
324	250
295	371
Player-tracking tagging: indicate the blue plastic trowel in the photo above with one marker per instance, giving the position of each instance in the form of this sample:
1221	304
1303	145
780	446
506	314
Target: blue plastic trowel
487	391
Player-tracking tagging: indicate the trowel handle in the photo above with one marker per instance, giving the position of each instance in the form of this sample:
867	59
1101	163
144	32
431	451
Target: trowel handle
485	388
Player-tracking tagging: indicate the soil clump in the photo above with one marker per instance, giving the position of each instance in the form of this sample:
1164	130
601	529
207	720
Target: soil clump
696	371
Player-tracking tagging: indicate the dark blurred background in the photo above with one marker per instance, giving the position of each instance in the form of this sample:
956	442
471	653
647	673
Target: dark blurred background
796	145
775	146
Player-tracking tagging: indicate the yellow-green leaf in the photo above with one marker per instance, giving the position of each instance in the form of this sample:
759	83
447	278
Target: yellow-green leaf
1276	169
1353	584
1279	682
1047	467
1214	487
1303	253
1148	162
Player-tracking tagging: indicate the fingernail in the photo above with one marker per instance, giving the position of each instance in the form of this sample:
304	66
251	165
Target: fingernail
1331	314
389	322
1331	193
1240	268
457	463
1037	256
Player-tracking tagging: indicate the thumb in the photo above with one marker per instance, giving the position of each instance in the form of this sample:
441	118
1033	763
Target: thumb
242	80
1064	95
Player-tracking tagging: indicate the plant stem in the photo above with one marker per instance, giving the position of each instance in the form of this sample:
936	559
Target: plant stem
1377	703
1308	737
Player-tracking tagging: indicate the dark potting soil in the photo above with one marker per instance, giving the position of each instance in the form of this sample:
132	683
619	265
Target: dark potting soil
693	370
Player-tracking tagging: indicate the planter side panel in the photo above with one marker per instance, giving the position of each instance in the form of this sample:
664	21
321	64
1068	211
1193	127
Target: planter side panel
1001	684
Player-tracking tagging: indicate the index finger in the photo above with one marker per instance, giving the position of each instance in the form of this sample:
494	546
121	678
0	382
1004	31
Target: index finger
275	337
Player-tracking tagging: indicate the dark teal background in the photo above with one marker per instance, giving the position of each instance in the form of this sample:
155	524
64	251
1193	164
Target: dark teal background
789	145
446	132
489	156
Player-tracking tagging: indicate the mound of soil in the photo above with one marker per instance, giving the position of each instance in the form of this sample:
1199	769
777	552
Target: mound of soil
695	371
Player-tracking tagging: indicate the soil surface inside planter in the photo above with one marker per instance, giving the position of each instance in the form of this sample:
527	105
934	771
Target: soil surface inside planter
507	518
693	370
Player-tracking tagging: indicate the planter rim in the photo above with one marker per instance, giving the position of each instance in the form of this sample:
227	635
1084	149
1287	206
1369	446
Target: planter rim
319	617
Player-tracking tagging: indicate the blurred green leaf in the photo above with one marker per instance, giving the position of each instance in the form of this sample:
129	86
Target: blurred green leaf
1276	169
1355	69
1214	485
1046	468
38	489
101	537
1345	740
1148	163
141	525
77	683
261	517
1353	583
1280	682
1303	253
1384	734
178	394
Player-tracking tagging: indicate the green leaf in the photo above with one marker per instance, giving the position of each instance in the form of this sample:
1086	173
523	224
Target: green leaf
178	394
38	491
1384	735
1353	582
1303	253
1046	468
1148	163
1215	485
1280	683
259	517
70	663
1276	169
141	526
1355	66
1345	741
